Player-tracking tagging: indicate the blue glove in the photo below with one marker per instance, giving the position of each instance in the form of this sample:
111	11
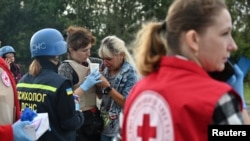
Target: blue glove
28	115
77	105
19	134
244	64
237	82
92	79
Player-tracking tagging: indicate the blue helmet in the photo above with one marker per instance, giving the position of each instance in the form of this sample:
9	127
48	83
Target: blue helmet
47	42
6	49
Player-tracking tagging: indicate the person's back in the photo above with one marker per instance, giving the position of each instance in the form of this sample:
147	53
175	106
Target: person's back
45	91
185	100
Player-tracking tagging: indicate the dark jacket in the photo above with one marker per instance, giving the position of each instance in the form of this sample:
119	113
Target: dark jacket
51	93
16	71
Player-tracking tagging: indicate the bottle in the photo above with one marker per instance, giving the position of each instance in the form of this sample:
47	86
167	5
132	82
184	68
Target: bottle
77	105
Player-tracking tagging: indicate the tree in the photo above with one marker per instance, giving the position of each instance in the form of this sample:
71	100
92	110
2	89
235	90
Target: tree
240	12
115	17
21	18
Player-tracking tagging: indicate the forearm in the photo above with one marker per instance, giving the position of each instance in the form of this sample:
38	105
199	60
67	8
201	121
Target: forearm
118	98
79	91
246	117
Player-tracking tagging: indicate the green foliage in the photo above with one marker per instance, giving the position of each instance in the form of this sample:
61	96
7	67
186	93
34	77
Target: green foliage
114	17
247	92
21	18
240	12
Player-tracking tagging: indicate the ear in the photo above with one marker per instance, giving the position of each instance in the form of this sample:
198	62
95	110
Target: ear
192	40
70	49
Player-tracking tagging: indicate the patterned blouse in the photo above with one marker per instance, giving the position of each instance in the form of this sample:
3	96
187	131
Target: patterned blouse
110	110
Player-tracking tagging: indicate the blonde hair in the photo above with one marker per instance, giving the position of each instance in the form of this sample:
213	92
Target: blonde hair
112	45
35	68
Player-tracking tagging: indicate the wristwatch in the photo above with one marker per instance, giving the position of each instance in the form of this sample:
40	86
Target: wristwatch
107	89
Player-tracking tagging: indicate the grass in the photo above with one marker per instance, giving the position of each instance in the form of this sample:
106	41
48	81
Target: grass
247	92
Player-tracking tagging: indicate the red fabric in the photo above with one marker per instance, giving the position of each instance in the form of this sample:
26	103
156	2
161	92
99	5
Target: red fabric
5	68
6	133
190	93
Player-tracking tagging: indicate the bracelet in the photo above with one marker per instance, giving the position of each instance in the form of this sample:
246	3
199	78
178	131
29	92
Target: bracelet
107	90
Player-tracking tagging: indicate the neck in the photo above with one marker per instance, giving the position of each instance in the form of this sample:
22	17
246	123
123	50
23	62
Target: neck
114	72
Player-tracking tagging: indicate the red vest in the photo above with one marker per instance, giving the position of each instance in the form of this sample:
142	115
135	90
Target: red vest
6	133
175	103
13	83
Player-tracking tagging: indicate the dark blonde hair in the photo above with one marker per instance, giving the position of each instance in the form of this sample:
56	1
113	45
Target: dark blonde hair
35	67
79	37
183	15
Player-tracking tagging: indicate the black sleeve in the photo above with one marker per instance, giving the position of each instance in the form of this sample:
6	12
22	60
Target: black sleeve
69	119
67	71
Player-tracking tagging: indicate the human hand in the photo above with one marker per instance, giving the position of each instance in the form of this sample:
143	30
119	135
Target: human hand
237	82
76	99
28	114
19	134
244	65
104	83
8	62
92	79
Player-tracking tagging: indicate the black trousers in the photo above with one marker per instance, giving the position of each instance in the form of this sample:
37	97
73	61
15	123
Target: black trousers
92	126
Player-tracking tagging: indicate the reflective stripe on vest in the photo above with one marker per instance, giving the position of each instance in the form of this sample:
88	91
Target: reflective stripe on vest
37	86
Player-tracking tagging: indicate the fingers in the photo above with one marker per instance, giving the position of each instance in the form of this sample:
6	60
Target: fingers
238	71
98	81
231	80
8	61
244	65
98	76
25	123
95	71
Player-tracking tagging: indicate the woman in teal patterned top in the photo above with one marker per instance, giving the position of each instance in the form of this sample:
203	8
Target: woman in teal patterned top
119	76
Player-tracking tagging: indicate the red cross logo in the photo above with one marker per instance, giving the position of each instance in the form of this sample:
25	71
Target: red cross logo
146	130
149	118
5	79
